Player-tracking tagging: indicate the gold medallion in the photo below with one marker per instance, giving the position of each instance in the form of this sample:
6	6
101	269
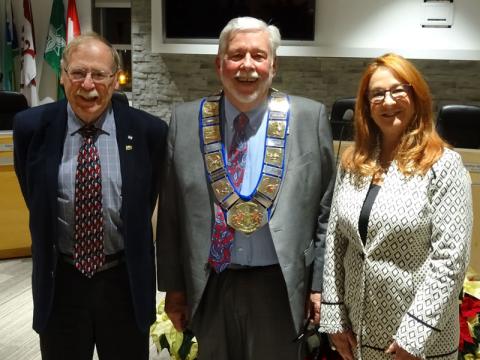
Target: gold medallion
222	188
246	217
214	161
276	128
210	108
269	186
211	134
274	156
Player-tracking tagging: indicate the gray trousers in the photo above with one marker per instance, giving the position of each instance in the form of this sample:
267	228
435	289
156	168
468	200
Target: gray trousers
245	315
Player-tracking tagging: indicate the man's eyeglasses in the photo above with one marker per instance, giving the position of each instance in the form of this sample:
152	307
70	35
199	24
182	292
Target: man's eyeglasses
97	76
398	92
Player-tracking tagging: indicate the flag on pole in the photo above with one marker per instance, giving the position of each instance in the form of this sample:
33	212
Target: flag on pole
10	49
56	42
29	68
73	25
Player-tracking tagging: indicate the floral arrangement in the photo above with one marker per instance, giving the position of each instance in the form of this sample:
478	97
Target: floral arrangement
469	347
170	343
178	345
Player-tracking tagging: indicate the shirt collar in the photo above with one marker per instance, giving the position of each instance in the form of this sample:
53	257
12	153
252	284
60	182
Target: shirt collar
255	116
104	122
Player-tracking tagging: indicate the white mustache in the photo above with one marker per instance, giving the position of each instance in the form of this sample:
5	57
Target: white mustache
247	76
88	94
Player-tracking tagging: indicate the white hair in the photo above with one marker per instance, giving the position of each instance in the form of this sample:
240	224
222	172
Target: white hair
245	24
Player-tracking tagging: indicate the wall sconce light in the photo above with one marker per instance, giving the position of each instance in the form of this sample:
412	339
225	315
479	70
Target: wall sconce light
123	77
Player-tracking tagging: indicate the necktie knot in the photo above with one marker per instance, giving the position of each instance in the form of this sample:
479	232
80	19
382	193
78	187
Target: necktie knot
240	125
88	131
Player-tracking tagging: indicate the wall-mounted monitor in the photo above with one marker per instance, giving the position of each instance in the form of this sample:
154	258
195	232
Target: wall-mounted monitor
194	19
321	28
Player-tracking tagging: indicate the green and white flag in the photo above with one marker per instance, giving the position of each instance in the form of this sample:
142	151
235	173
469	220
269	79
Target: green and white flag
56	42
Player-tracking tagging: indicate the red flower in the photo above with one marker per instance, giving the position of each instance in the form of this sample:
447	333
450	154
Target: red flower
469	308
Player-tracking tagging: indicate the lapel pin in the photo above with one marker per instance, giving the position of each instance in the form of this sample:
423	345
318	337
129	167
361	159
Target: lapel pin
130	137
128	147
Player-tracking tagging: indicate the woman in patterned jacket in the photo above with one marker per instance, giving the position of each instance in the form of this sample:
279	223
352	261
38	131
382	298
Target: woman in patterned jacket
398	238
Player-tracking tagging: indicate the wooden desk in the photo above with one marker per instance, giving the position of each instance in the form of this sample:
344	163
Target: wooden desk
471	159
14	233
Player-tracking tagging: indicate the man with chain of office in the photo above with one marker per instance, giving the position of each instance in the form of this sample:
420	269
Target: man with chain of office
244	207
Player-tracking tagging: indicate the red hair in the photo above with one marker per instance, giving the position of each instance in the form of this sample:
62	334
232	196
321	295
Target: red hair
420	146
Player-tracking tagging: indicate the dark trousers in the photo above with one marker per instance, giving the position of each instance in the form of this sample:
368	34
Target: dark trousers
93	312
245	315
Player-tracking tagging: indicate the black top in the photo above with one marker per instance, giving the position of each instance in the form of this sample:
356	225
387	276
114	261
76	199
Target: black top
366	209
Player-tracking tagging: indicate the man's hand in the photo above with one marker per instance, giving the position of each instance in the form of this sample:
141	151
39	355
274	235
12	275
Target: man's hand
313	310
176	309
399	353
345	343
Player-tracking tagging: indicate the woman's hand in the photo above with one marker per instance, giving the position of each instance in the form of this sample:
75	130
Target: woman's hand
399	353
345	343
313	311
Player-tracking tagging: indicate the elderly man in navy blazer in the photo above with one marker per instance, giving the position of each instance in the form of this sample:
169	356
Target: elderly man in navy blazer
88	170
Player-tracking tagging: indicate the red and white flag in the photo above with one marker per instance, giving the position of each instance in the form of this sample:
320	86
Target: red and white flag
73	25
29	68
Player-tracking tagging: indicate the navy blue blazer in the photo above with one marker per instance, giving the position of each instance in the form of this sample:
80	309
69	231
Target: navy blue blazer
38	135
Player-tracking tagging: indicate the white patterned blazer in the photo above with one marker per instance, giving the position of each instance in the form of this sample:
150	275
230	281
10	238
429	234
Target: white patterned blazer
404	283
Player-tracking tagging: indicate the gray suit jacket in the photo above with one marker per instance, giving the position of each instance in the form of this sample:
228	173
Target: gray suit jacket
299	216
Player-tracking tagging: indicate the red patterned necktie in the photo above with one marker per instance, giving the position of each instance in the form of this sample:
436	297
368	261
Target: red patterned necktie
222	235
88	235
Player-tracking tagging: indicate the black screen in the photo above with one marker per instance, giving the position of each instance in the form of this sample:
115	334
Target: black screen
204	19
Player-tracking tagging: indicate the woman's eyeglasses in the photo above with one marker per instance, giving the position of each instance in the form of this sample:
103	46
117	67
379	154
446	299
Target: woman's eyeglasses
397	92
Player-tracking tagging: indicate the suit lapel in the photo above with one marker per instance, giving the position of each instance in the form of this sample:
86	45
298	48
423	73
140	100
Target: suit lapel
125	139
